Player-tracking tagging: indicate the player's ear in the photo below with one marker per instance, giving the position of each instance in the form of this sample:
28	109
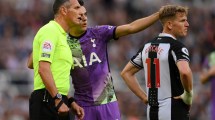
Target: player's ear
169	24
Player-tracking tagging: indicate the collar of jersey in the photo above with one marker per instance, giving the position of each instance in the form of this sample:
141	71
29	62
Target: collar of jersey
166	35
79	36
58	26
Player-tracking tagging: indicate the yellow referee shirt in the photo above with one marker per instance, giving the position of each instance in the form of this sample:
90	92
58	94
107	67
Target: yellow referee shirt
50	44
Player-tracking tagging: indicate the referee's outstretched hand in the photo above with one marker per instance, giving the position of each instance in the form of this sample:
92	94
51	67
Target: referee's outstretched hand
79	111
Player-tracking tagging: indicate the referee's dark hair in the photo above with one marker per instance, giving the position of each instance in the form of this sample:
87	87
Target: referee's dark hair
58	3
81	2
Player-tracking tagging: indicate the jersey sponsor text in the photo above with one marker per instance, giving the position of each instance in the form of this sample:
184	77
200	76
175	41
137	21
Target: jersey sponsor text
93	58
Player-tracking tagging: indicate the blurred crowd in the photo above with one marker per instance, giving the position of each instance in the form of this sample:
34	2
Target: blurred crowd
21	19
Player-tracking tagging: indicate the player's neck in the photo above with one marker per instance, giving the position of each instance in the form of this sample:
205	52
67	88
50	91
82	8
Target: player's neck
169	32
76	33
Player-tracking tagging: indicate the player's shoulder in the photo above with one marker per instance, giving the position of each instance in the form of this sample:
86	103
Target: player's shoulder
177	43
171	41
100	29
147	43
103	27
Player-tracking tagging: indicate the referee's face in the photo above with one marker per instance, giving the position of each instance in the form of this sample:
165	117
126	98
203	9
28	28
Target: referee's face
180	25
73	13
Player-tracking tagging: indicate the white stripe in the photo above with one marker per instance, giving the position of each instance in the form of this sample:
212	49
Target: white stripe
144	56
174	56
164	109
165	83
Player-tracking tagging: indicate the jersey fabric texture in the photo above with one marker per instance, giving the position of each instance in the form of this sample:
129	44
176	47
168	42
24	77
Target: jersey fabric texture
109	111
158	57
50	44
91	74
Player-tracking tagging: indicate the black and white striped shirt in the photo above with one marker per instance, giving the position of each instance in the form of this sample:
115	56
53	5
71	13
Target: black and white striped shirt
158	57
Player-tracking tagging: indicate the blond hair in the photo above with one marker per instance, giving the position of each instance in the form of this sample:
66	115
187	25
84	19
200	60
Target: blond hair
169	12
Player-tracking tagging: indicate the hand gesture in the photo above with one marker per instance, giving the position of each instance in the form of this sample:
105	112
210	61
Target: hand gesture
61	107
79	111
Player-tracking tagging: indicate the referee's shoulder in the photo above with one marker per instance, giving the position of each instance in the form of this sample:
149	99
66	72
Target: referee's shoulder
49	28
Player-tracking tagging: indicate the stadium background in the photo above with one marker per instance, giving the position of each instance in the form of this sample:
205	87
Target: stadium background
20	20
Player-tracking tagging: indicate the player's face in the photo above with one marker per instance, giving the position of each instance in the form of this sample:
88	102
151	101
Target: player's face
83	20
180	25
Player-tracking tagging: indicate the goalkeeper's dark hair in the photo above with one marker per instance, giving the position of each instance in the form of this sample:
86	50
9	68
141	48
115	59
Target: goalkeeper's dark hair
58	3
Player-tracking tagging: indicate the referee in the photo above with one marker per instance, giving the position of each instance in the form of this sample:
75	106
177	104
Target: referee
52	61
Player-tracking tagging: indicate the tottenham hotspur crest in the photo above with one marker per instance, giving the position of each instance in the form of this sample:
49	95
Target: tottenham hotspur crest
93	41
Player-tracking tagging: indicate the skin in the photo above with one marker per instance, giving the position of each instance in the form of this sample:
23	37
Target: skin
81	27
128	75
180	22
177	27
67	17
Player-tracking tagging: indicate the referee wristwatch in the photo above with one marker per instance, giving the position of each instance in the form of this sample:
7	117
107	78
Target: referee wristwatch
58	96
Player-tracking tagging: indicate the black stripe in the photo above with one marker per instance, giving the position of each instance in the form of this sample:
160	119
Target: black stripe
153	113
179	110
153	91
